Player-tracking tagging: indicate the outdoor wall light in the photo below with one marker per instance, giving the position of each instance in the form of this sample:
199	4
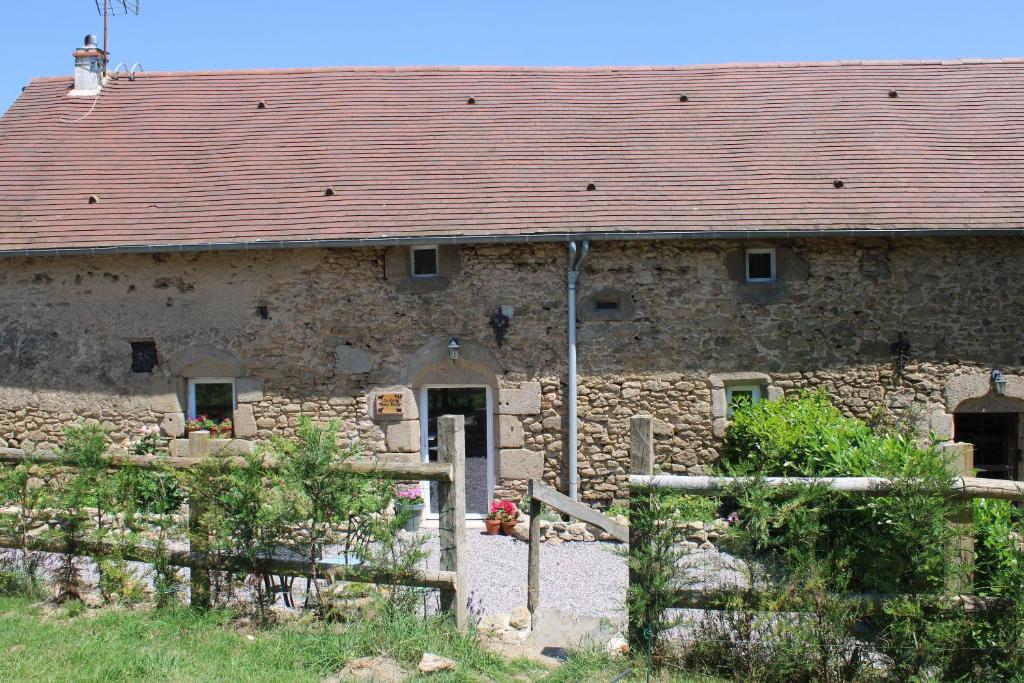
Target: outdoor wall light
901	354
999	382
453	349
499	323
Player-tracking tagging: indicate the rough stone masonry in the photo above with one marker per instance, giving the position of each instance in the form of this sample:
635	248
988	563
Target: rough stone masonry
665	328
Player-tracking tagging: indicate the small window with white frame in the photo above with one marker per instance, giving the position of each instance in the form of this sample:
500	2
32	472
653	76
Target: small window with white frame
742	394
211	397
424	261
760	265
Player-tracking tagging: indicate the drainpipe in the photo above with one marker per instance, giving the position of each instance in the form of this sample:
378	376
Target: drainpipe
577	257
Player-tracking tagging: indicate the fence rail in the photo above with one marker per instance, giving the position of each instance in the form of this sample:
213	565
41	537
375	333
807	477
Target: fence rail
644	485
450	579
961	488
427	471
541	494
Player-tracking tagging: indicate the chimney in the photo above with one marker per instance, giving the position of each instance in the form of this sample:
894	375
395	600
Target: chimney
90	62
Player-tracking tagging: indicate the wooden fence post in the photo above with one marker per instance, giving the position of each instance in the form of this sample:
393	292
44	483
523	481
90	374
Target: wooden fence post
641	461
451	448
962	519
533	562
199	537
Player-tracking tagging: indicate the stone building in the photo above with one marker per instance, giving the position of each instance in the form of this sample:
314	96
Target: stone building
383	246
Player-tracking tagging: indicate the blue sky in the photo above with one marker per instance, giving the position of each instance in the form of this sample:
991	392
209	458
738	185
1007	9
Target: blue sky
230	34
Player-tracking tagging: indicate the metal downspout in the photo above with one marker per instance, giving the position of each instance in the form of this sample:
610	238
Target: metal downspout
577	258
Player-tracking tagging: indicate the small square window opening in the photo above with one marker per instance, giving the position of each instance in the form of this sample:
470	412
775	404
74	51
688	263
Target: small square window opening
424	262
760	265
143	356
213	398
747	394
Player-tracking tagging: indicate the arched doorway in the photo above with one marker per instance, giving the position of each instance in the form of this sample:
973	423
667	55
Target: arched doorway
466	386
992	424
990	419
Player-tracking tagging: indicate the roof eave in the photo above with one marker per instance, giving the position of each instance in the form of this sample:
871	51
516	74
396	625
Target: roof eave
358	242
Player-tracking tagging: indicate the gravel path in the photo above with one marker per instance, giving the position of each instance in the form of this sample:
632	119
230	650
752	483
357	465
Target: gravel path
583	579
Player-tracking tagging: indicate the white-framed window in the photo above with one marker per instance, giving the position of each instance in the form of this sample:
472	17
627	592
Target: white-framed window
749	393
213	397
423	261
760	265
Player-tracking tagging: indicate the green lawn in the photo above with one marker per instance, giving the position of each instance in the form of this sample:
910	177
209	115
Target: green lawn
180	645
44	643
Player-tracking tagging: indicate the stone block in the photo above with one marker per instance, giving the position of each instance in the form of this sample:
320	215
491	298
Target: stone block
941	425
248	389
231	447
718	426
522	401
244	421
519	463
510	431
403	437
349	360
199	443
409	408
173	424
178	448
662	428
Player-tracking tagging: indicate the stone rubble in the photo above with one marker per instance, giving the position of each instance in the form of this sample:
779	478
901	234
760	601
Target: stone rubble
431	663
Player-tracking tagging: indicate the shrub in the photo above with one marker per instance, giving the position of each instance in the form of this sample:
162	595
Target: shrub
828	564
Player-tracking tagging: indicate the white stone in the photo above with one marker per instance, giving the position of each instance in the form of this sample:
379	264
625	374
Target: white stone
510	431
248	389
173	424
524	400
349	360
403	437
493	623
519	463
244	421
617	646
520	618
431	663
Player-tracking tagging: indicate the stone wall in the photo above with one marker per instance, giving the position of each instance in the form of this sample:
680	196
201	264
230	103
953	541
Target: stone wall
342	325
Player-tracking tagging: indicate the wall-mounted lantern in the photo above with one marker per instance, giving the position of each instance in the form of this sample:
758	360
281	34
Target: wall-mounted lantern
499	323
999	382
901	354
453	349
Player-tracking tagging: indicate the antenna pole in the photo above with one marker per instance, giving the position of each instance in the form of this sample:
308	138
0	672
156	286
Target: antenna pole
106	22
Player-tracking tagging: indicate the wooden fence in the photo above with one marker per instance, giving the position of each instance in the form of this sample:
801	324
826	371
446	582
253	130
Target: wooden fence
541	494
644	485
448	472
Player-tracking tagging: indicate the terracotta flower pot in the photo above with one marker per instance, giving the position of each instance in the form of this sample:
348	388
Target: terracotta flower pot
509	526
492	526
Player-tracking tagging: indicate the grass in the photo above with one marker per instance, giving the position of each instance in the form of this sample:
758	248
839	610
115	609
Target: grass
182	645
41	643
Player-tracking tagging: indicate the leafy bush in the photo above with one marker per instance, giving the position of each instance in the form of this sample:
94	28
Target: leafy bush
828	565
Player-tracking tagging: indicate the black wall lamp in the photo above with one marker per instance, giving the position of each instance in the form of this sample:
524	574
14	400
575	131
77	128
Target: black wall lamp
453	349
499	323
901	354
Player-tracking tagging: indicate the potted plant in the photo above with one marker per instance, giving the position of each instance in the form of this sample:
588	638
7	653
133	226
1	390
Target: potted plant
195	424
409	501
492	523
224	429
509	516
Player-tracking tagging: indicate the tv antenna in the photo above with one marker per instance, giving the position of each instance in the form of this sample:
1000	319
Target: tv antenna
108	8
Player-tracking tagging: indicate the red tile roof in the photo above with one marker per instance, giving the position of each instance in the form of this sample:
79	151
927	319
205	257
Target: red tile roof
190	159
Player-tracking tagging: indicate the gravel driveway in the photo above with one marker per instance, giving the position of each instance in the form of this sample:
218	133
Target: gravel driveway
583	579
